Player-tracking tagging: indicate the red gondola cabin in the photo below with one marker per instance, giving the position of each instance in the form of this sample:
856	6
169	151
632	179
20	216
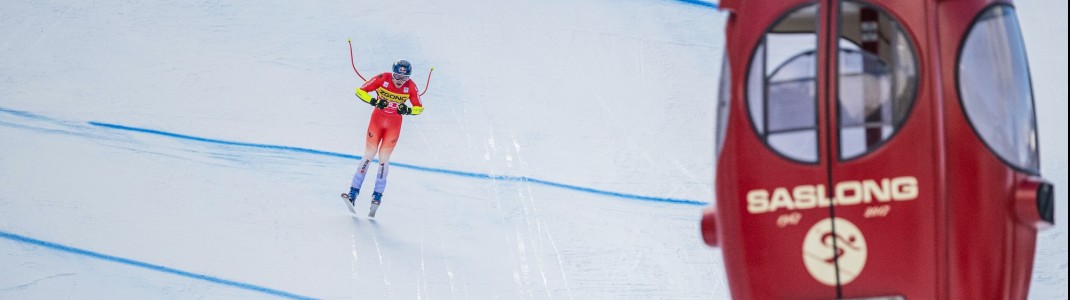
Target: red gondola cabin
877	148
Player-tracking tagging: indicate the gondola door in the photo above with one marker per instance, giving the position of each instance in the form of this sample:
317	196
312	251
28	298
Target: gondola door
773	166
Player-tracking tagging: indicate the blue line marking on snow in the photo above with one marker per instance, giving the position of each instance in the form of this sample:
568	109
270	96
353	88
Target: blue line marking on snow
406	166
130	262
700	3
222	142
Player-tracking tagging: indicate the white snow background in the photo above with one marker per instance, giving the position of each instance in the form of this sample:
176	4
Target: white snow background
196	149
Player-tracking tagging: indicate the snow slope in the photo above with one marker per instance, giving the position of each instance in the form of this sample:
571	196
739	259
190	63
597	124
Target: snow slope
196	149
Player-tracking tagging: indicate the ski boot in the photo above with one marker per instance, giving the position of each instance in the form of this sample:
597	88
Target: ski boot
377	198
351	198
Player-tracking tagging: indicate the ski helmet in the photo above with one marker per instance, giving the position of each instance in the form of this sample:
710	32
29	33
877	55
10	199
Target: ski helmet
402	67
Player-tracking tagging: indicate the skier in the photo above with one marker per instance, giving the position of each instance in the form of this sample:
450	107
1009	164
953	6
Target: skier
392	89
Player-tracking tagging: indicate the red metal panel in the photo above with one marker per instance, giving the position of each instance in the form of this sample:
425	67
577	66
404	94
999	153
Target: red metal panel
990	254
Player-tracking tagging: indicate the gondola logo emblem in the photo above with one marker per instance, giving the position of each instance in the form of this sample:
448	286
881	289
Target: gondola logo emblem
824	251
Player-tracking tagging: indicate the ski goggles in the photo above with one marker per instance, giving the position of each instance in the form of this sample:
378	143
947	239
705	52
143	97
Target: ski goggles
400	77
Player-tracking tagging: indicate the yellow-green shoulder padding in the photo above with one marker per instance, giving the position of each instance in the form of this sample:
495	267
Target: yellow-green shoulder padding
417	110
364	96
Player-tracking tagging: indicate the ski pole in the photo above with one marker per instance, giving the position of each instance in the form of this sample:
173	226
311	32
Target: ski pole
427	85
350	41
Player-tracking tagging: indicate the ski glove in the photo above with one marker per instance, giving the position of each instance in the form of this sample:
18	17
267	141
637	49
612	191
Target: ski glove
380	105
404	109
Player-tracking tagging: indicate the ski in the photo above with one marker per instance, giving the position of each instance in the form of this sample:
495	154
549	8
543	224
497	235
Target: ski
375	206
349	203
